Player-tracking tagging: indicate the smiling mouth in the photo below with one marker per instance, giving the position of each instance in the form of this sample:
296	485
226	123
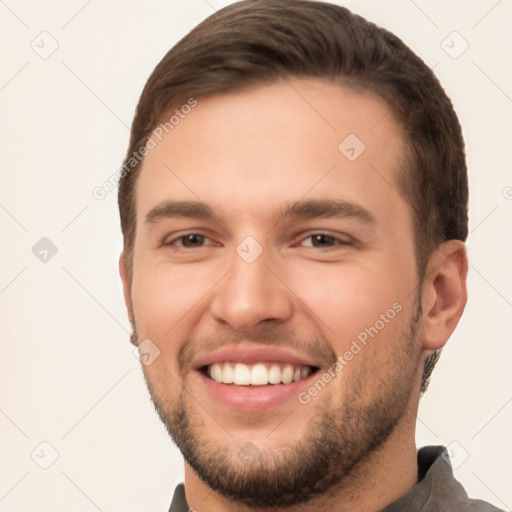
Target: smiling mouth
258	374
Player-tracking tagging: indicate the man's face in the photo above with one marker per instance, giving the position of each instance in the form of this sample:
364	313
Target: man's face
267	292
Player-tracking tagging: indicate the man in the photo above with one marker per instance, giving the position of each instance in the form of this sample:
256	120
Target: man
294	211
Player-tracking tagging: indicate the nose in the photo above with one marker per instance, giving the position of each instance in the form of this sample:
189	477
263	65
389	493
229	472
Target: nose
251	293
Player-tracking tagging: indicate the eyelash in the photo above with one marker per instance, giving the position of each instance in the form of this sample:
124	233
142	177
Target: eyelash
182	237
336	240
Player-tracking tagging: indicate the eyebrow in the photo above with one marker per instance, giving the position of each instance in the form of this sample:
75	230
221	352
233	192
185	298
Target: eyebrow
315	208
169	209
309	209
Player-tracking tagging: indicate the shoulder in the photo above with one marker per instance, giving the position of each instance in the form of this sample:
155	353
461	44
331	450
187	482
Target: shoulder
447	492
437	489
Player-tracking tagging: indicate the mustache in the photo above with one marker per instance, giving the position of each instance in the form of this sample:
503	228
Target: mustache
316	348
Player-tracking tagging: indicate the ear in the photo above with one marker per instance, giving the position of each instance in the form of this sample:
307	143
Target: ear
444	293
127	292
127	284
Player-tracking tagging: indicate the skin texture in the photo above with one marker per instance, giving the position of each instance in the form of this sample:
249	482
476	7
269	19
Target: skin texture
246	156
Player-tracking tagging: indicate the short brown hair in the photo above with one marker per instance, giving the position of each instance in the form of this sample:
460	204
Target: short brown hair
252	43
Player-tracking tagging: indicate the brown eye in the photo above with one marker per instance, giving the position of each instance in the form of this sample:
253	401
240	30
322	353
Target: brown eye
321	240
193	240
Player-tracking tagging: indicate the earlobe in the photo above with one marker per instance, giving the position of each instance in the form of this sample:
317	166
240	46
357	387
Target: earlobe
445	293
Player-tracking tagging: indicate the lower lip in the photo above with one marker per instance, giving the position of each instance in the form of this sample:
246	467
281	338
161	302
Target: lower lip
253	398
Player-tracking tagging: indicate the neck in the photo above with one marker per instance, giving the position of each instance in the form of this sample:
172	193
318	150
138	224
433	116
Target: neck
375	482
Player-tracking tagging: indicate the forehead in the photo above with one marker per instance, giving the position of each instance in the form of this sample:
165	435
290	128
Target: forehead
246	152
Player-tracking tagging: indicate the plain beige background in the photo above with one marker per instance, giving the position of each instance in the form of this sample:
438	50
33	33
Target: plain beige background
69	378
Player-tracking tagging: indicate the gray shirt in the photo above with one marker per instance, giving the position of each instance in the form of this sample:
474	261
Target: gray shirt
437	489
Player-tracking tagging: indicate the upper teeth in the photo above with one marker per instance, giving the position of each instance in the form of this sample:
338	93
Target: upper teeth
258	374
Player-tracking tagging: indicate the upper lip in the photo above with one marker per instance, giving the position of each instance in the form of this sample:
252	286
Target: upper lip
251	355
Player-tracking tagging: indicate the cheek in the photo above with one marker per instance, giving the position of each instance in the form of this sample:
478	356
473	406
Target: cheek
167	298
348	301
